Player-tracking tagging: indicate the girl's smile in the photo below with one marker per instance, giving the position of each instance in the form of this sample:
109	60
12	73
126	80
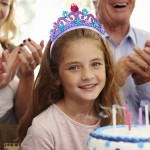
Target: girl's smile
89	87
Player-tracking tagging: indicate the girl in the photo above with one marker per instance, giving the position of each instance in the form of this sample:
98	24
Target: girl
75	78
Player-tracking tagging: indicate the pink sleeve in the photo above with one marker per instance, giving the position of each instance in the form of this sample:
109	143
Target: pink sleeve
37	139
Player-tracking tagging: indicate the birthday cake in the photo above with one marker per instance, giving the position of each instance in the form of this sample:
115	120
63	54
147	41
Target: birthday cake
120	138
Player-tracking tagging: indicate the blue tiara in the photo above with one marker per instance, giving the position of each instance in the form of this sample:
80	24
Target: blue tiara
74	20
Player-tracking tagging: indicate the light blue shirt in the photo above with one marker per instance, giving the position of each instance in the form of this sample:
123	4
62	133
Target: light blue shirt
134	95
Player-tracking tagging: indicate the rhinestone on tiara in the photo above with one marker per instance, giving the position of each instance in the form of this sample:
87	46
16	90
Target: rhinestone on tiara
74	20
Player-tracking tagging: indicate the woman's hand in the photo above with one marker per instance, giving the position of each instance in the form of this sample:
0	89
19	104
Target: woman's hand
4	76
8	66
30	58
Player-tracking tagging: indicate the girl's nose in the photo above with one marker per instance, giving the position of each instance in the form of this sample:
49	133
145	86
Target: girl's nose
87	74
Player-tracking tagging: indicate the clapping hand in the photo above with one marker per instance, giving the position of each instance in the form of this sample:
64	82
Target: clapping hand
30	58
8	66
4	79
122	70
140	65
28	61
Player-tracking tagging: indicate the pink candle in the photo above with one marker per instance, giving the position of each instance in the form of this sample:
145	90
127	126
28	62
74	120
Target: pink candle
126	113
140	116
129	121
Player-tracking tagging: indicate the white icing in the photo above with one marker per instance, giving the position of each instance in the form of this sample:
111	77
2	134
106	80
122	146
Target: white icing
123	133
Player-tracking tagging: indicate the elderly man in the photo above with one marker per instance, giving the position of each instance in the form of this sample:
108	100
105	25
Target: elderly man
131	50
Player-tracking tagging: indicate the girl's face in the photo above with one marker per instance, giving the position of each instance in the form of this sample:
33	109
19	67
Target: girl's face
82	70
4	10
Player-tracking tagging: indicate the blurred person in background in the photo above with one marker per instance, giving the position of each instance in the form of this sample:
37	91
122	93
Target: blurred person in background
15	93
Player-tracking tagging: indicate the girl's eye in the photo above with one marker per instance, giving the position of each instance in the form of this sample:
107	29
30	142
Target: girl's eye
95	64
73	68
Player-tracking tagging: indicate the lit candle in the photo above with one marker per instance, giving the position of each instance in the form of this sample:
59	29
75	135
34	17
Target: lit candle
126	113
114	116
146	116
140	116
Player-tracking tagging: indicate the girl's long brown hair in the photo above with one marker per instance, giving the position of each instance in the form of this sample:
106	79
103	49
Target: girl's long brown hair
46	92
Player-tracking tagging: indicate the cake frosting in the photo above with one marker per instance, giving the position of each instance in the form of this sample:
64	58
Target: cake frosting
120	138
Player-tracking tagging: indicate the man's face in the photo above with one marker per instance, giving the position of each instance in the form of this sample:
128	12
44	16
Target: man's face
114	11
